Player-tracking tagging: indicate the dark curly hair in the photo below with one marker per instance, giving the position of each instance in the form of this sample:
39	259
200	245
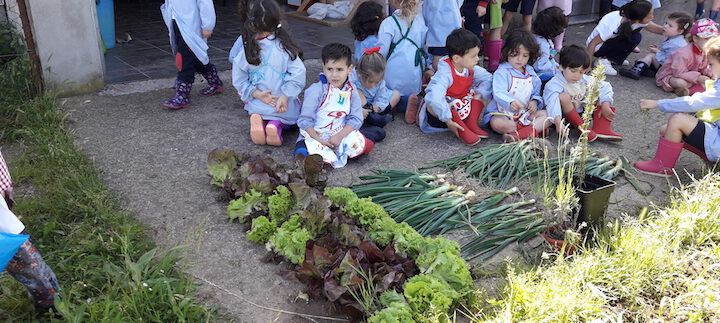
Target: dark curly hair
549	23
266	16
367	19
517	38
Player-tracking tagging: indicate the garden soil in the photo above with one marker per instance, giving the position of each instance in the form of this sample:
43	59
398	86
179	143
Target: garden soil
155	161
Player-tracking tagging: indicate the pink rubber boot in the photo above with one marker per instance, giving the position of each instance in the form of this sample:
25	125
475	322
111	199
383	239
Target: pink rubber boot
494	53
665	158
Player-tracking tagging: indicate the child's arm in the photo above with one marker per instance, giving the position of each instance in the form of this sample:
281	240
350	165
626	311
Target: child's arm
293	83
382	96
710	99
385	36
551	97
207	16
536	96
6	183
436	90
482	82
311	102
245	88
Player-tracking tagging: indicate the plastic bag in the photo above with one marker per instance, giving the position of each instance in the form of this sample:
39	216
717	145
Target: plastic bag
9	245
337	10
318	11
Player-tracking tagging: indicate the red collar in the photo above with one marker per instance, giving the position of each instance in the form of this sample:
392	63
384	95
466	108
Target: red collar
261	38
696	50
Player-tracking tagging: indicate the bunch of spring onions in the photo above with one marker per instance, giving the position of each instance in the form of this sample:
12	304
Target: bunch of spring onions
500	165
432	204
496	165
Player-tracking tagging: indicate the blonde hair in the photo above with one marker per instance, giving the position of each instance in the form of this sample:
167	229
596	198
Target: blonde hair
409	9
712	47
371	64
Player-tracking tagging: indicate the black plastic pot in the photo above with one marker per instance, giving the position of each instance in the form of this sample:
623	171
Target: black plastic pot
594	197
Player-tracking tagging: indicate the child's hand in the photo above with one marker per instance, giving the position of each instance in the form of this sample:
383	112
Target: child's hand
653	49
366	112
335	141
516	106
481	11
376	108
648	104
532	106
8	196
281	106
454	127
607	112
265	97
206	33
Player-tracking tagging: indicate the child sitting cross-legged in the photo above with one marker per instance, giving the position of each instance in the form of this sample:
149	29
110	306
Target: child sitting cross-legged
454	97
515	111
332	113
565	93
699	134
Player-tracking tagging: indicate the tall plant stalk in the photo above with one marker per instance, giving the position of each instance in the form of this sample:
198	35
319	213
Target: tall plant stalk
591	99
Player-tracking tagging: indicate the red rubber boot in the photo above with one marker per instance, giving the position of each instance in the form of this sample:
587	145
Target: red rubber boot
369	145
574	119
476	108
523	132
603	127
466	135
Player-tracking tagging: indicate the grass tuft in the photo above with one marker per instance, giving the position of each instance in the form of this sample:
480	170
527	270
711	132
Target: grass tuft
109	270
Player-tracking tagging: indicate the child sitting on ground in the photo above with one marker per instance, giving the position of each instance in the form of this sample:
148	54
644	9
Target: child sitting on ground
565	93
688	67
332	112
402	41
365	25
454	97
268	74
377	100
676	27
515	109
699	134
548	24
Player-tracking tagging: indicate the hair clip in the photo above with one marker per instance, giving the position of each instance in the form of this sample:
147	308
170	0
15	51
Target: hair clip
372	50
279	26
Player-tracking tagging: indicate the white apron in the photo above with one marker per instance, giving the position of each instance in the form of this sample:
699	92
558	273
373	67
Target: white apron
330	119
521	89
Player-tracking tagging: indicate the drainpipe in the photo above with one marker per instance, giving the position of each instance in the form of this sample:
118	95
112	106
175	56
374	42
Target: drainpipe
30	42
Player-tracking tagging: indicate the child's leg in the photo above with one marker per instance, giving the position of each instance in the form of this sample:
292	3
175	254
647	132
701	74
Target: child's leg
680	86
394	99
28	267
493	49
257	129
185	62
700	9
540	121
670	145
507	18
617	50
472	121
502	124
714	10
208	71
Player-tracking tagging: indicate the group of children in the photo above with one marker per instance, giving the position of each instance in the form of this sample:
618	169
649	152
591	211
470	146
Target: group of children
424	61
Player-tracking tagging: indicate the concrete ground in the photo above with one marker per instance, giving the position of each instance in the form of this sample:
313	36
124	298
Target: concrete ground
155	160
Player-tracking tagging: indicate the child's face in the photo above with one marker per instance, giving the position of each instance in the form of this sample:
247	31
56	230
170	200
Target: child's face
519	58
469	60
648	18
714	65
699	42
370	81
337	72
671	28
573	74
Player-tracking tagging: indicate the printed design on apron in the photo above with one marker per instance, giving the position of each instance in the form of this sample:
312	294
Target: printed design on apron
460	94
521	89
329	121
577	92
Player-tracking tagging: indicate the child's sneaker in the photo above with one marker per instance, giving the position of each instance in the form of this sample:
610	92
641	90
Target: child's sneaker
609	70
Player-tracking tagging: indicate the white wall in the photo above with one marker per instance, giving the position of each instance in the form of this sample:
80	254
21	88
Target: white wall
66	34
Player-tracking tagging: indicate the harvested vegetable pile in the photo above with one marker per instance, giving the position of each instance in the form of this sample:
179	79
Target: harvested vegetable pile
439	204
346	249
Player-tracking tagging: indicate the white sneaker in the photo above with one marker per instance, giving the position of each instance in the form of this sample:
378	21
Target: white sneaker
609	70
